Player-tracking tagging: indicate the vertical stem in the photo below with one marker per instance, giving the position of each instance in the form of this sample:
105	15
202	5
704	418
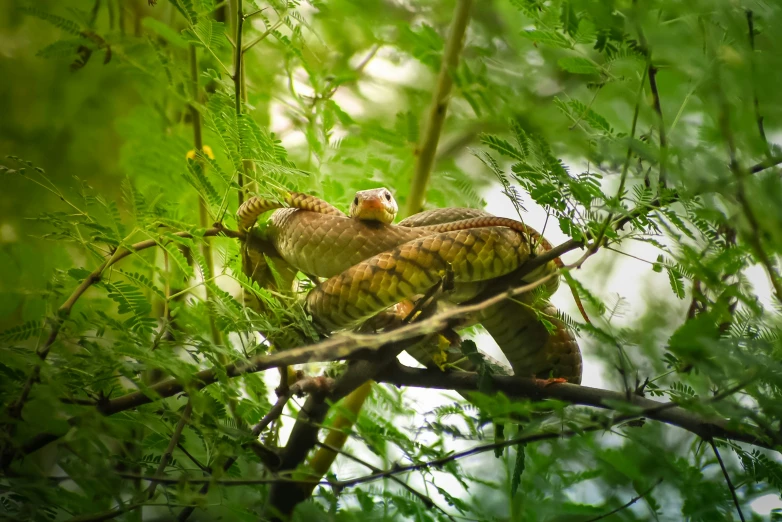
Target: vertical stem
203	214
428	146
238	78
755	103
660	123
166	457
652	73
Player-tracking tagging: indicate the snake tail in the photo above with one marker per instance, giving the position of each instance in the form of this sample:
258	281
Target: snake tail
251	209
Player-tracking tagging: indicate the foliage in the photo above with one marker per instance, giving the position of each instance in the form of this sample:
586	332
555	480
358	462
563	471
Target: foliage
627	123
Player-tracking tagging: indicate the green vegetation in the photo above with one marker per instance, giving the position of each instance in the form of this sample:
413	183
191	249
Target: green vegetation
132	130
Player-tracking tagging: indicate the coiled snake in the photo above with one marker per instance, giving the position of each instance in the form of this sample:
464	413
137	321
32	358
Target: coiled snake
371	265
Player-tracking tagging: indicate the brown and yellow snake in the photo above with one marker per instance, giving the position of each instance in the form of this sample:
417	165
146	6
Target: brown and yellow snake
371	265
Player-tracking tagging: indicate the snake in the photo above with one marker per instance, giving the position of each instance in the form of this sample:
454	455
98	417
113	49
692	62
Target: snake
371	264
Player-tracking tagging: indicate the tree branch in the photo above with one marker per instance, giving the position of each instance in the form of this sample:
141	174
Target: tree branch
754	237
652	73
273	414
428	148
304	435
765	164
669	413
727	479
434	463
172	443
626	505
428	502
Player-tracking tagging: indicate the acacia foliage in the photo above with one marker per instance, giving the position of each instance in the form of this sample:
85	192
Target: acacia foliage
669	110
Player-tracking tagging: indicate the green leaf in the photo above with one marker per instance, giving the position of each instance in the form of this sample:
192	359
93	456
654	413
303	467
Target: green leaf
577	65
185	7
64	48
595	120
502	146
66	25
677	282
164	31
21	332
206	33
552	38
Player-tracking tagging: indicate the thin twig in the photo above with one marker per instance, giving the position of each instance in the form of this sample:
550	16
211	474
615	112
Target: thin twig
652	73
766	164
626	505
262	37
166	458
428	502
626	164
755	103
727	479
238	78
194	460
753	237
428	148
203	218
150	492
273	414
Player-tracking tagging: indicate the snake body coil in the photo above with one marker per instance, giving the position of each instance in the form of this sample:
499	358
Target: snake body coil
372	266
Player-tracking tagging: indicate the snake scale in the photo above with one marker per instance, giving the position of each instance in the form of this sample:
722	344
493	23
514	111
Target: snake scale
371	265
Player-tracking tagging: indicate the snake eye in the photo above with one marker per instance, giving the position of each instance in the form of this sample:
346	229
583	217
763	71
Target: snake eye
388	196
355	201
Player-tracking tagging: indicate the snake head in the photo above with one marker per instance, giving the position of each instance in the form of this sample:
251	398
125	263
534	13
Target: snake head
374	205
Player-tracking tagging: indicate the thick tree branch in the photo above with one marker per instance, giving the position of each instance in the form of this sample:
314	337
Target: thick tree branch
304	436
669	413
